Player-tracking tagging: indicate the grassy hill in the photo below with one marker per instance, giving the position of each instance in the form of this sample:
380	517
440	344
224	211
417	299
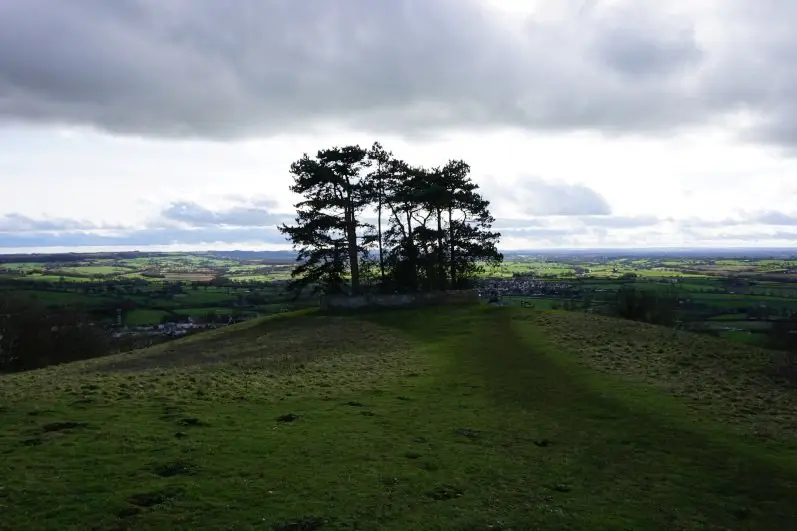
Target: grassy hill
456	419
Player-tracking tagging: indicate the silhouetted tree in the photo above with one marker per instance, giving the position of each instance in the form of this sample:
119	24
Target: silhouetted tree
326	231
377	191
437	236
440	226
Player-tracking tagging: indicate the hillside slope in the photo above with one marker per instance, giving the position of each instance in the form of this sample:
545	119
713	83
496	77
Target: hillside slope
466	418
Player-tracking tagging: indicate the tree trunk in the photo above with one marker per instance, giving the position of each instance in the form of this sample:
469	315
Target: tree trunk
452	249
354	261
412	254
379	235
441	261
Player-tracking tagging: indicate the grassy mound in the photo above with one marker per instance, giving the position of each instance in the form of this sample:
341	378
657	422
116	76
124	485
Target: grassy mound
465	418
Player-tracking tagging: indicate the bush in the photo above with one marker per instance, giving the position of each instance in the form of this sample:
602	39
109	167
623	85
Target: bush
788	367
650	306
32	336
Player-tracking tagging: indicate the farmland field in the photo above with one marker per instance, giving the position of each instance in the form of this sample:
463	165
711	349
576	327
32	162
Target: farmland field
149	289
201	277
752	292
144	316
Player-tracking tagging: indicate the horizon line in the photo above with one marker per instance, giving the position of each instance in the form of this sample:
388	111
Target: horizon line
45	251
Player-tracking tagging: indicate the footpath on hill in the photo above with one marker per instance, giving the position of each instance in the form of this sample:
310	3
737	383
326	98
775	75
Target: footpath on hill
456	419
626	456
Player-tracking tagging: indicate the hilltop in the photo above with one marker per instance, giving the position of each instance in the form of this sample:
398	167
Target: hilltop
463	418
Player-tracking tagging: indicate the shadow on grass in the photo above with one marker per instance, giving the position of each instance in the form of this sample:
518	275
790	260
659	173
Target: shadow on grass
611	438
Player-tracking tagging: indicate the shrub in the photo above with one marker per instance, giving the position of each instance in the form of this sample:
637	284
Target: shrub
32	336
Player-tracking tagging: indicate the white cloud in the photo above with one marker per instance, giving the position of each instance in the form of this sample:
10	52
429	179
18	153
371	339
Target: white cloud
533	196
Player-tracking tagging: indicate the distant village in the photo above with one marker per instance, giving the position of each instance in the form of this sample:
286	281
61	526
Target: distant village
526	287
179	328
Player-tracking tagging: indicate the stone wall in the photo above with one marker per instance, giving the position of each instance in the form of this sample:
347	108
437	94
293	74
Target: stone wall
404	300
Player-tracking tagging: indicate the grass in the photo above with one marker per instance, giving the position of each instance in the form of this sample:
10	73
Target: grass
747	338
189	277
260	278
21	265
539	303
729	317
739	298
463	419
93	270
202	296
61	298
56	278
201	312
742	325
144	316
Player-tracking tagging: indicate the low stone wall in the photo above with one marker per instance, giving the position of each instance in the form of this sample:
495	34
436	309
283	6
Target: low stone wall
404	300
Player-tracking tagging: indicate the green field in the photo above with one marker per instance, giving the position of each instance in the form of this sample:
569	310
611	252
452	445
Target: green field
444	419
202	296
538	303
61	298
201	312
729	317
144	317
16	266
192	284
261	278
55	278
747	338
95	270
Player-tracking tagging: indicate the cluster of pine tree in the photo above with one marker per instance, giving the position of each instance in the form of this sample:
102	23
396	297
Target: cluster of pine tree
368	221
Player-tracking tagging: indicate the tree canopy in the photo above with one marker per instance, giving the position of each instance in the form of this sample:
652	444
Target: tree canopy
368	221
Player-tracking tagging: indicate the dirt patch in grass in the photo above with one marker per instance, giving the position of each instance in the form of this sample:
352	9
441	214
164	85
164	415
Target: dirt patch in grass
445	492
174	468
469	433
310	523
60	426
128	512
191	421
152	498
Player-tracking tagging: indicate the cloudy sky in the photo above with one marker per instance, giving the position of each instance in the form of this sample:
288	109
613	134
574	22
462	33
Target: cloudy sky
587	123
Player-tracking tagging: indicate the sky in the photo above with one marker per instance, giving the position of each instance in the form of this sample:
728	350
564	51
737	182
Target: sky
143	124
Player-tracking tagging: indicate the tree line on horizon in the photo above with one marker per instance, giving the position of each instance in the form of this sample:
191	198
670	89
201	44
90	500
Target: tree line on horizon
432	228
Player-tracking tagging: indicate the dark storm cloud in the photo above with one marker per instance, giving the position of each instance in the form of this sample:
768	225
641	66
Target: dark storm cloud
204	68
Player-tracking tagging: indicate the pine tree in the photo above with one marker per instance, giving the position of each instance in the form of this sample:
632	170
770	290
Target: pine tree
437	234
326	230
